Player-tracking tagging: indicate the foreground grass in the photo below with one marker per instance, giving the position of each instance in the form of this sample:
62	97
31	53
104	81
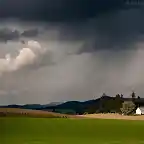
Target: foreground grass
70	131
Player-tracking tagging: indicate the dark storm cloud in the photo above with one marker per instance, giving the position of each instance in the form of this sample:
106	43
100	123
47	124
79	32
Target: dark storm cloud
8	34
59	10
114	31
30	33
75	67
101	23
117	31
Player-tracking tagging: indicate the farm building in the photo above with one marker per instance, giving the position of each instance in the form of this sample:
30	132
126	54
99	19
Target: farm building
140	111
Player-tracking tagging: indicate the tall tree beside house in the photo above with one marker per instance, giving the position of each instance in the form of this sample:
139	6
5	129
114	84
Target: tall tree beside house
133	96
138	101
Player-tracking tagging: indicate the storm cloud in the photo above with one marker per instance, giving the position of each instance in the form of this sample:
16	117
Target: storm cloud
95	47
57	10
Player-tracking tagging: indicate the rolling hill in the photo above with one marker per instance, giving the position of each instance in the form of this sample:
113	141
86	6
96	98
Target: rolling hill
12	112
75	107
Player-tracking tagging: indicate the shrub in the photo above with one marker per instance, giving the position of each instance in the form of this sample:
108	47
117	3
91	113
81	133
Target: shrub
128	107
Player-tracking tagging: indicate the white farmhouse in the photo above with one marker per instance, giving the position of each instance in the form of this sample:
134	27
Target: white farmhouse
140	111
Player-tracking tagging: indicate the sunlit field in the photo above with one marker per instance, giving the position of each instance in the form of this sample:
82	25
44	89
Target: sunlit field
70	131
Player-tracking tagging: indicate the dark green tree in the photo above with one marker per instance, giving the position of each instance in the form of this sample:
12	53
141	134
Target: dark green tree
121	95
103	95
118	103
138	97
133	95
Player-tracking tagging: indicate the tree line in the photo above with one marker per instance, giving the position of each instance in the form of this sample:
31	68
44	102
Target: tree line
116	104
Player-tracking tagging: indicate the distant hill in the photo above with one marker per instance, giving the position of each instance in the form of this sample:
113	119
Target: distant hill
102	104
90	106
77	106
72	106
31	106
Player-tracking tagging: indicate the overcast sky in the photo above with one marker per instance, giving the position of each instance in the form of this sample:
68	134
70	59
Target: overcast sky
59	50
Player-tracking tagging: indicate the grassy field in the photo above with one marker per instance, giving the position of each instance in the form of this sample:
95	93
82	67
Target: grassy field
70	131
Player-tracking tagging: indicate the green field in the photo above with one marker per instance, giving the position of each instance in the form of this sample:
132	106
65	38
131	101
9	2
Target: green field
70	131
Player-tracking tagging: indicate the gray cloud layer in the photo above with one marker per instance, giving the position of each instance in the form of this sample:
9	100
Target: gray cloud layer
85	59
12	34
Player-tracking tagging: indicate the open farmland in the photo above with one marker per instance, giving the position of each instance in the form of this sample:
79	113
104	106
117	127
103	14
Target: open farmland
70	131
15	112
113	116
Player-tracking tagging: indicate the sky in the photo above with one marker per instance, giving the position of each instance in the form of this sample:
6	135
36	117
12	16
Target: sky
60	50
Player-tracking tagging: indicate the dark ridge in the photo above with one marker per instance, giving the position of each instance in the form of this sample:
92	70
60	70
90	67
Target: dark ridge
102	104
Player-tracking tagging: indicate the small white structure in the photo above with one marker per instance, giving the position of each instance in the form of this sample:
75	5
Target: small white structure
140	111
